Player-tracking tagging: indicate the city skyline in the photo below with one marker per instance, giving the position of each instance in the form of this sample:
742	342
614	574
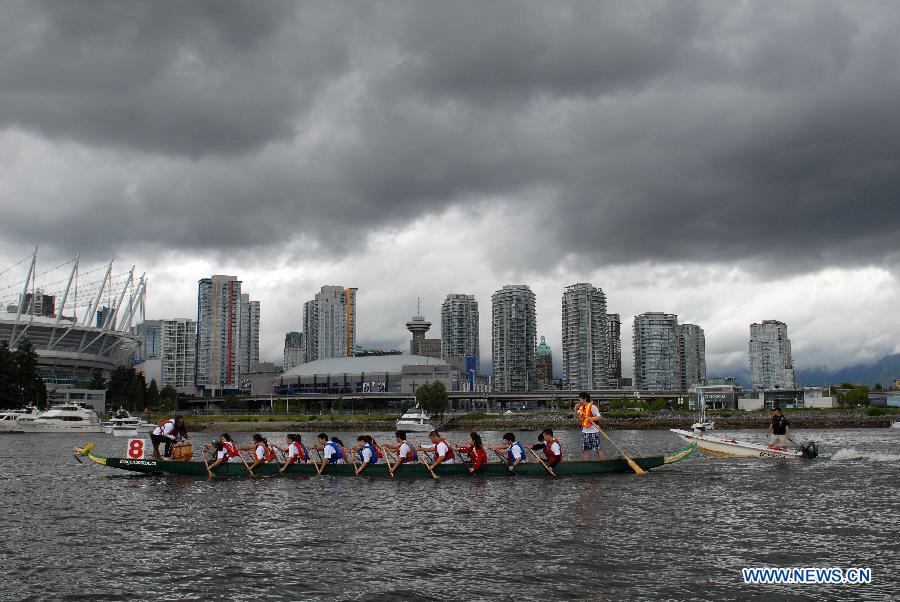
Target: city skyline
631	148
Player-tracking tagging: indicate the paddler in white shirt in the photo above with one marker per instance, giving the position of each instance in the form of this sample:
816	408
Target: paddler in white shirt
443	451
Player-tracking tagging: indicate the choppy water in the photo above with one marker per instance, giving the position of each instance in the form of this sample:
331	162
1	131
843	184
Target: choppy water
683	532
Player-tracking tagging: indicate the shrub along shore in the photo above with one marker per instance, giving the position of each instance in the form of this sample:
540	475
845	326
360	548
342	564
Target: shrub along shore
613	420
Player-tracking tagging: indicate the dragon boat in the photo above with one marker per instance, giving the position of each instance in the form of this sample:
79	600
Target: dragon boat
499	469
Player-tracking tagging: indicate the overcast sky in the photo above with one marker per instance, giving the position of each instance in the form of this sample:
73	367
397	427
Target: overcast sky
728	162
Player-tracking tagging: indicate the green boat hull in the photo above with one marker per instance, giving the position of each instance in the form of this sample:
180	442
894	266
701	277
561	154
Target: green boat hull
532	469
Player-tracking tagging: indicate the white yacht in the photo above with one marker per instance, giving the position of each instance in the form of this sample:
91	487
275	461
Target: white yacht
123	424
11	421
415	421
702	425
65	418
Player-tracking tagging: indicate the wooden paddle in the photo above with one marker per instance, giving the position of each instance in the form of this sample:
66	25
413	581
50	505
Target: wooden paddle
637	469
387	460
464	463
427	464
208	471
352	458
504	460
538	458
245	464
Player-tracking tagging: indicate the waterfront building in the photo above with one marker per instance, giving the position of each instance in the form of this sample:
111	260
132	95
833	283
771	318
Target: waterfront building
584	337
656	352
459	328
513	338
248	345
543	365
293	350
148	333
692	344
771	364
178	349
614	347
217	362
329	324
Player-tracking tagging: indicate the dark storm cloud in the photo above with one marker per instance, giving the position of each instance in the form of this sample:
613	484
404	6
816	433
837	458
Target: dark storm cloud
671	131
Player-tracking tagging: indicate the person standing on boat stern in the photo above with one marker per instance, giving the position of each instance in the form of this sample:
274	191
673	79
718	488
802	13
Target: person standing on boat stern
475	450
778	428
589	416
167	433
443	452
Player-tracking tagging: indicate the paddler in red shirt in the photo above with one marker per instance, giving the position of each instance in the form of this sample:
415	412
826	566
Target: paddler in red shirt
476	452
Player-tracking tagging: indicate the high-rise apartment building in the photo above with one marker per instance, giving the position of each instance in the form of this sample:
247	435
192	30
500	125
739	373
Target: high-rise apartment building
293	350
459	328
514	337
692	343
248	346
148	333
218	334
771	364
103	314
38	303
614	347
584	338
178	349
329	323
543	364
657	362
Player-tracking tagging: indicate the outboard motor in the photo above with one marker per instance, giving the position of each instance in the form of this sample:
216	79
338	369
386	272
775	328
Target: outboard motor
809	450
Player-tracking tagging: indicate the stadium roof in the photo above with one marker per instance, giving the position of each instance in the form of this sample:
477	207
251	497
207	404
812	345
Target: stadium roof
355	365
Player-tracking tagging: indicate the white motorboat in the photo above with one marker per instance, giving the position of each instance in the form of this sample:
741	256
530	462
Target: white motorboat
415	421
895	424
11	421
744	449
65	418
123	424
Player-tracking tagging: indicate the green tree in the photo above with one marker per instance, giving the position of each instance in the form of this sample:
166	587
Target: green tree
97	381
433	399
168	398
878	387
152	394
9	374
233	402
31	386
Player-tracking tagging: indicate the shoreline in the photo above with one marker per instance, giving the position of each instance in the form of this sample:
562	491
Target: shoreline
798	420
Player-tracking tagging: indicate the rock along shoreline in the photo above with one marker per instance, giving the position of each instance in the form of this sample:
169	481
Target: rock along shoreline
526	422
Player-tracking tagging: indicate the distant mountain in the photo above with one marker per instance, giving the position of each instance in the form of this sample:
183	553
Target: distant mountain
883	371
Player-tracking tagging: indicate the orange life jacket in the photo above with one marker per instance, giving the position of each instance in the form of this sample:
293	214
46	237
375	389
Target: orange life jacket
548	451
448	455
231	449
585	414
301	452
270	454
